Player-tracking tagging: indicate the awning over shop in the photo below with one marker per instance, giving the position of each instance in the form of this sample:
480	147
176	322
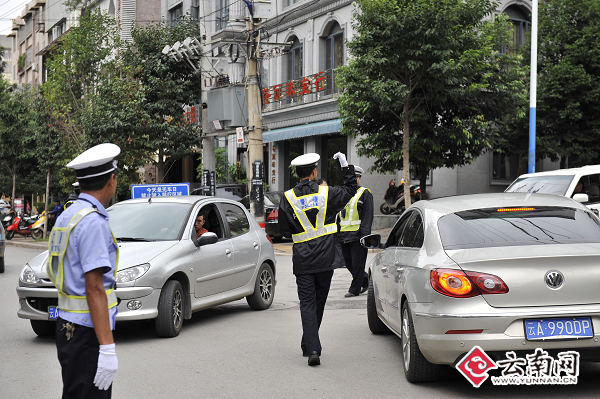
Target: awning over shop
296	132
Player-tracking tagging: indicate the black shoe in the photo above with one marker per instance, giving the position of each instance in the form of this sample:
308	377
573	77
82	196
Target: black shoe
363	289
314	359
349	295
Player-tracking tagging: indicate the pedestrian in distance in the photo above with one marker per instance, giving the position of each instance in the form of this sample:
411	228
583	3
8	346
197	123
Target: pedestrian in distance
355	222
82	265
308	213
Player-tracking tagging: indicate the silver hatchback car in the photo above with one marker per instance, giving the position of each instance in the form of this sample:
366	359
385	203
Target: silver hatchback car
166	273
510	271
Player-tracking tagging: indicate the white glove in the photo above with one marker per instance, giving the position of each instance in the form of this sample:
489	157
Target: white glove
107	367
342	158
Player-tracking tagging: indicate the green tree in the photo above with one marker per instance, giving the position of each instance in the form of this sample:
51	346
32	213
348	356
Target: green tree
428	83
167	85
568	108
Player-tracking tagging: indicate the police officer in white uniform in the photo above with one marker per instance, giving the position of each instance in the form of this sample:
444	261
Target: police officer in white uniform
83	266
308	212
355	222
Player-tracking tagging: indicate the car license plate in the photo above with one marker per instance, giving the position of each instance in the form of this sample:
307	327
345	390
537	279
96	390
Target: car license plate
563	328
52	312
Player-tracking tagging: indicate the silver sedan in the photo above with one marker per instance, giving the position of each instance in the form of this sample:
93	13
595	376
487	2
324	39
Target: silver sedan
507	271
165	272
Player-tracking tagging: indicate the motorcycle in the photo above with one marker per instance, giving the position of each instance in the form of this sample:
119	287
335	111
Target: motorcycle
8	219
394	197
37	228
20	225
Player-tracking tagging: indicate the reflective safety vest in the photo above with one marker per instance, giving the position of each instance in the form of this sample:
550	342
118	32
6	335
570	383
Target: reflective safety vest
57	249
304	203
349	218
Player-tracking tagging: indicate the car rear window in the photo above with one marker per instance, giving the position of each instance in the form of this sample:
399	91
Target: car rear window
556	184
499	227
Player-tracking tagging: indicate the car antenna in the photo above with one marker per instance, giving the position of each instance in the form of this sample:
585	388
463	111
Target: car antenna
149	200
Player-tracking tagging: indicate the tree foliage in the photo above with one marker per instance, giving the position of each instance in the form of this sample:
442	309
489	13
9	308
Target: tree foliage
432	72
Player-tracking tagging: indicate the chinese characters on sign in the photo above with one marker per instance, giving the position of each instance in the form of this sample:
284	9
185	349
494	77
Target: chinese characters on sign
538	368
190	115
295	88
159	190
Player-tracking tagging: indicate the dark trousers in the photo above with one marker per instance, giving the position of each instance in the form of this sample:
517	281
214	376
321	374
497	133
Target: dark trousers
355	257
78	358
312	291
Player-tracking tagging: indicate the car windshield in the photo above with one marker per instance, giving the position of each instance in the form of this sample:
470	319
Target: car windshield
143	221
550	184
499	227
272	199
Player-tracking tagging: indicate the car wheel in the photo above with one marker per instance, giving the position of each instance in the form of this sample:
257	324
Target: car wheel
43	328
416	367
37	234
10	235
170	310
375	324
264	289
2	265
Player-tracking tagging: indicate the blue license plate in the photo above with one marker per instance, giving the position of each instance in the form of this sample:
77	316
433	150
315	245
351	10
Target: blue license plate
52	312
563	328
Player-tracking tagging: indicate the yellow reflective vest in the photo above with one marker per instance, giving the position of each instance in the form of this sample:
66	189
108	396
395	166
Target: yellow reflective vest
349	217
57	249
311	201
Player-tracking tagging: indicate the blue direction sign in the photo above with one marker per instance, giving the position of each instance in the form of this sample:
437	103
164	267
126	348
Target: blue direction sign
159	190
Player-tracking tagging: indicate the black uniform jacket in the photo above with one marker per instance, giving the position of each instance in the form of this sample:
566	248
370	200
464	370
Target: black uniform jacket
316	255
365	211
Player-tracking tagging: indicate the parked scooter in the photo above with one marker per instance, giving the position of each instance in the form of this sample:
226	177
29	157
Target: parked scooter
20	226
8	219
394	197
37	228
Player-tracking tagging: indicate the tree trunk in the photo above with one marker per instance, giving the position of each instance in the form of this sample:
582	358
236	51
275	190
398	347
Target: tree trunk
160	167
14	189
46	203
423	182
405	153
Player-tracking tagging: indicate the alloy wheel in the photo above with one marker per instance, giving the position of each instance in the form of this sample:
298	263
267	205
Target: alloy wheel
177	309
405	339
266	285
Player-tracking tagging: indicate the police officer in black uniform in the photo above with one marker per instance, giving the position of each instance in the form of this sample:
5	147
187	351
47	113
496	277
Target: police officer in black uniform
308	212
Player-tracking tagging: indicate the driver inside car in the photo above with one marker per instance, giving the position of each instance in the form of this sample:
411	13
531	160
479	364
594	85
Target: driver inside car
199	225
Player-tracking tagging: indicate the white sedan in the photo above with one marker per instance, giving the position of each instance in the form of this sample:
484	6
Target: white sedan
510	271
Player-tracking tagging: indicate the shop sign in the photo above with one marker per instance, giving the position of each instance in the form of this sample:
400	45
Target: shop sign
295	88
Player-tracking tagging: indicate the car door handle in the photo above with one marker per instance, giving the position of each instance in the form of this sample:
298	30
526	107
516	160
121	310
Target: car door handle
399	270
228	252
255	244
384	269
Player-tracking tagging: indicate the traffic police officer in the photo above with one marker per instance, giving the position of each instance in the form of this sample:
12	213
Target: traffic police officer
355	222
308	213
83	265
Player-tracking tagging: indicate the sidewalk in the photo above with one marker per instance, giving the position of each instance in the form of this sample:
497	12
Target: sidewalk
27	242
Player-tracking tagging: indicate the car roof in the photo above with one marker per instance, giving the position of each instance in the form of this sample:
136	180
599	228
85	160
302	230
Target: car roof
460	203
570	171
181	199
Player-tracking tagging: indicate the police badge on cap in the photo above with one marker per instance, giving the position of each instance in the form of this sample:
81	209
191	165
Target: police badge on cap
96	161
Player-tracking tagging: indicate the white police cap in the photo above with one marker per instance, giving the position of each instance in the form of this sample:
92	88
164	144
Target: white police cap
358	171
306	160
96	161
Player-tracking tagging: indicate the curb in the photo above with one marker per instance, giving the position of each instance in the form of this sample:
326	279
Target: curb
30	245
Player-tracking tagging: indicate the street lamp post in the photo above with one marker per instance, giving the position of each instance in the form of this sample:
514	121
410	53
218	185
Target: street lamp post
533	86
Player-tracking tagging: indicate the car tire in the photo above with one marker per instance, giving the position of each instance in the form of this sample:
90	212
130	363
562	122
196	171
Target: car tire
2	265
416	367
264	289
43	328
171	305
376	326
10	235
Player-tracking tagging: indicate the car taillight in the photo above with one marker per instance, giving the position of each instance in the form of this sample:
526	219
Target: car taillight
274	215
465	284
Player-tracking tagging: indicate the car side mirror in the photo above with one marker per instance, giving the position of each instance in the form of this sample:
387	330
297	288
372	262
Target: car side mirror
205	239
581	198
371	241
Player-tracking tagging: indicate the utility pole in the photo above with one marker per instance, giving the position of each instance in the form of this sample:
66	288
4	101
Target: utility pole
533	86
255	141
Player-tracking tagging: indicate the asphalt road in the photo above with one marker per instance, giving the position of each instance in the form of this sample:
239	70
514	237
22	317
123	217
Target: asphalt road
234	352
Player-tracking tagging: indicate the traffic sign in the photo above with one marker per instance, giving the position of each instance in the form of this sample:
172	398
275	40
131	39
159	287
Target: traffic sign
159	190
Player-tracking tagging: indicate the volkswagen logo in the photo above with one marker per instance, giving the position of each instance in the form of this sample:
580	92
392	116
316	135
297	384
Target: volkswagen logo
554	279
